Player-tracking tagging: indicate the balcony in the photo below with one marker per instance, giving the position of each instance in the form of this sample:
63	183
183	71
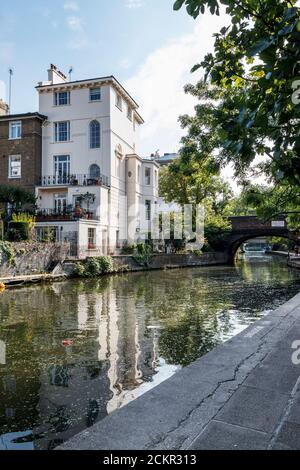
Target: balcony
74	180
67	215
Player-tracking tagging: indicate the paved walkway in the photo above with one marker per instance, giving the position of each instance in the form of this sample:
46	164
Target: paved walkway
244	394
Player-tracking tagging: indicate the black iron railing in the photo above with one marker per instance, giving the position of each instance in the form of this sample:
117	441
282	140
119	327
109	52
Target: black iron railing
76	213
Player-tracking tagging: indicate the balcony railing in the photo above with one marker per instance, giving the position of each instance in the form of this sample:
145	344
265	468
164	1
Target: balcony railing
74	180
48	215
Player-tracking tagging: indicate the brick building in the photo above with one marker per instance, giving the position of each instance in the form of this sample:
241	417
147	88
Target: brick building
20	148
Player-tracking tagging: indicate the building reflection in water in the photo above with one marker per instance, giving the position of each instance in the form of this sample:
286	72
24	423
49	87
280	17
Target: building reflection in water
127	334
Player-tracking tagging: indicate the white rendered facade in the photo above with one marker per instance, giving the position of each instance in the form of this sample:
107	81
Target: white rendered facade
90	145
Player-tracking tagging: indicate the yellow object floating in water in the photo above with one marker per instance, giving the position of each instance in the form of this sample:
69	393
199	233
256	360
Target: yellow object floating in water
2	287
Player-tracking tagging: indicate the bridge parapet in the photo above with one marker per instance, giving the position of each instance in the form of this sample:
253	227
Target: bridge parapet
252	223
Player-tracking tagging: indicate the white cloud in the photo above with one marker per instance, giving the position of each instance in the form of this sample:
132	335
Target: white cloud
133	3
158	85
75	23
79	39
71	6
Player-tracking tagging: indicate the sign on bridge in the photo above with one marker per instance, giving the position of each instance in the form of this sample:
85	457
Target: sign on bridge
278	223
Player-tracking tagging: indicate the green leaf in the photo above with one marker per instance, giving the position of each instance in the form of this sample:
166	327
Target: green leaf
287	29
290	13
260	46
178	4
195	68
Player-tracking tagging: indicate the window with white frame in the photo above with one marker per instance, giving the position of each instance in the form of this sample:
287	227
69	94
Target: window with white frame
95	130
147	176
62	131
95	94
15	130
91	238
119	102
129	113
148	210
14	166
62	165
62	98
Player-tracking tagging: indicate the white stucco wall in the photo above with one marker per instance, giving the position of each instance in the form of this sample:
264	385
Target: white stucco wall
119	138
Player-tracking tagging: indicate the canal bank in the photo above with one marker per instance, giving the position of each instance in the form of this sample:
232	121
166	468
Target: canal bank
27	267
293	261
244	394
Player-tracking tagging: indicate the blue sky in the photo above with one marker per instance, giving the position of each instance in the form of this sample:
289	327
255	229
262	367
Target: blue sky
144	43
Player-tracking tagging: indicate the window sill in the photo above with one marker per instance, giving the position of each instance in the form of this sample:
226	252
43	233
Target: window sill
95	101
62	142
61	105
14	177
15	138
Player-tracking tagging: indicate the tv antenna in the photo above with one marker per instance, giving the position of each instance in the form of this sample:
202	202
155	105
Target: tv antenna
11	72
70	73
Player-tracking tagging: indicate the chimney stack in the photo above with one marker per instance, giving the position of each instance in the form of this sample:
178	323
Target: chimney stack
55	76
4	108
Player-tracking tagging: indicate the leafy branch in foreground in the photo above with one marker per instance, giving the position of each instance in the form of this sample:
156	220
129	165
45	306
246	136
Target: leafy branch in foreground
249	101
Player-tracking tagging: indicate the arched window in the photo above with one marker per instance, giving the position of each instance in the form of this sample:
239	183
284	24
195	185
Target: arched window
94	135
95	171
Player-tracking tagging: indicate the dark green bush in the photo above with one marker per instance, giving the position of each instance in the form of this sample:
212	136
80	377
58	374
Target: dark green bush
143	255
94	267
18	231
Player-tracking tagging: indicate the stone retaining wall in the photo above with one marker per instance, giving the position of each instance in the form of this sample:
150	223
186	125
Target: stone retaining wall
32	258
163	261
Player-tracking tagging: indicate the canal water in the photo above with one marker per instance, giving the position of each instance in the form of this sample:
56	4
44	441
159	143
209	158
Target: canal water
73	352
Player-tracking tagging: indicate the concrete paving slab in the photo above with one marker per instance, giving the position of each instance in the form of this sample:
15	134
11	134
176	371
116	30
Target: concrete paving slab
274	376
289	436
294	414
223	436
254	408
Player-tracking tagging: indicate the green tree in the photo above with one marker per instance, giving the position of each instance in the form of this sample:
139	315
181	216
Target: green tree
18	198
252	101
271	200
190	181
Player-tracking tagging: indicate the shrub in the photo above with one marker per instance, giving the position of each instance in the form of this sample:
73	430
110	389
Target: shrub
128	249
79	270
143	255
7	250
106	264
18	231
26	218
94	267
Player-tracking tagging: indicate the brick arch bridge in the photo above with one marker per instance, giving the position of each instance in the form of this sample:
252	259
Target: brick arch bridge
247	227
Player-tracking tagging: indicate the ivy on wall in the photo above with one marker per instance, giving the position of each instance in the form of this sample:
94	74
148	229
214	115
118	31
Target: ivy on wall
7	252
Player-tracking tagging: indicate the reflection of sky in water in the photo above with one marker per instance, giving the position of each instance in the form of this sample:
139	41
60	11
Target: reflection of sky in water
128	334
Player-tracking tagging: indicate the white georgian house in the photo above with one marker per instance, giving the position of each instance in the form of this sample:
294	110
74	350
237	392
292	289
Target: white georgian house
95	191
